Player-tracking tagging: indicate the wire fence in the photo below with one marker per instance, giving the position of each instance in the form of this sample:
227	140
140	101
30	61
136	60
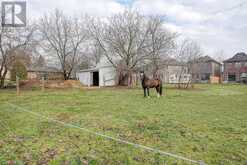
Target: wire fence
147	148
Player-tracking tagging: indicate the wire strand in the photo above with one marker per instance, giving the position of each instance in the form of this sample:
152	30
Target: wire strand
108	137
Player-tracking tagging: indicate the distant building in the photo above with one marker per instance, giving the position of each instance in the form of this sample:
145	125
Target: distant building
104	74
49	73
206	70
174	72
235	68
171	71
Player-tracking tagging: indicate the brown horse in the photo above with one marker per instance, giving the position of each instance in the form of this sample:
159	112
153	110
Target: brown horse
151	83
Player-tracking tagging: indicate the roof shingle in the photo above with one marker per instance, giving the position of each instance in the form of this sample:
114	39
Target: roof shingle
239	57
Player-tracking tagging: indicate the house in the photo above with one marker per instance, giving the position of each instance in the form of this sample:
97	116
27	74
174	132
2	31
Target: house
206	70
171	71
235	68
104	74
49	73
174	72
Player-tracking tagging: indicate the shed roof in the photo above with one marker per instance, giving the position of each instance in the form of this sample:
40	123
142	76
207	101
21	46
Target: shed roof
97	68
89	70
239	57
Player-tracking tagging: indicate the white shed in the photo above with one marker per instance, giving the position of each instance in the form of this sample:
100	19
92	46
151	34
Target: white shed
101	75
175	78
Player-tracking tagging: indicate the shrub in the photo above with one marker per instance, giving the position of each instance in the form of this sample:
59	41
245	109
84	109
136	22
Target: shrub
19	70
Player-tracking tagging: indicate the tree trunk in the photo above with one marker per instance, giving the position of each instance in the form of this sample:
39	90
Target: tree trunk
2	82
129	75
2	78
179	82
155	71
120	77
65	76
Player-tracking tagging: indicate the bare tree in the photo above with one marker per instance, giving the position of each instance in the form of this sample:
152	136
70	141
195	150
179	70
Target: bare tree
186	54
12	39
93	54
39	61
219	55
63	36
160	43
123	39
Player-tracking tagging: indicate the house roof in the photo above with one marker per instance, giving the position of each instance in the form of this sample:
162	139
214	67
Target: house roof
172	62
43	69
239	57
206	59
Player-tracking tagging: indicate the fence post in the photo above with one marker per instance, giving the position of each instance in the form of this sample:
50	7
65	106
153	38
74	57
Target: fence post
43	84
17	86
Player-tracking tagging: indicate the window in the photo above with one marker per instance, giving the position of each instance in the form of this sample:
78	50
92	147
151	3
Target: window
229	65
231	77
237	64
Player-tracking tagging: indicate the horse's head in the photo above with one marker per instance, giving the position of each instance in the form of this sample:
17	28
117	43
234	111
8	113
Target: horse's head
142	75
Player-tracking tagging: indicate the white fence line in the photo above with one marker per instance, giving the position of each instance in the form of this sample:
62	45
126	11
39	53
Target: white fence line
109	137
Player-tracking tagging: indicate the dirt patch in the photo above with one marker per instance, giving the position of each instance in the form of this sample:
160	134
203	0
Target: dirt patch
65	117
47	156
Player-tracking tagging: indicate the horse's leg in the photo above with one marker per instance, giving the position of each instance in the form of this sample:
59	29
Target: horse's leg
144	89
158	91
161	88
148	92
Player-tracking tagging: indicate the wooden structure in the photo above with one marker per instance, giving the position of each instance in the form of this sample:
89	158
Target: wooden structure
49	73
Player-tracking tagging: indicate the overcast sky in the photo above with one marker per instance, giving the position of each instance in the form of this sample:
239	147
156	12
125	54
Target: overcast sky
215	24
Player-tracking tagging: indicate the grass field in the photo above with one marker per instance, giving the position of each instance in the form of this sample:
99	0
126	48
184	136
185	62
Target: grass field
208	123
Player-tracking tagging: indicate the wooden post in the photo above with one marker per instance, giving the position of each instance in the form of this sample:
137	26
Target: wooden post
17	86
43	84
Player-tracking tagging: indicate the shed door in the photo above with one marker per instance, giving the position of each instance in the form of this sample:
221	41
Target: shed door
95	78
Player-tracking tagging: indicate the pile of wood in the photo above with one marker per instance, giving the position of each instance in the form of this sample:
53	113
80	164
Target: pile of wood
214	80
63	84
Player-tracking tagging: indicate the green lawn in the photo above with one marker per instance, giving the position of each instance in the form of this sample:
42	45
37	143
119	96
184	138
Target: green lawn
208	123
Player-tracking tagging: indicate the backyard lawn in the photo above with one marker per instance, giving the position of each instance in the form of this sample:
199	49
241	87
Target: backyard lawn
207	123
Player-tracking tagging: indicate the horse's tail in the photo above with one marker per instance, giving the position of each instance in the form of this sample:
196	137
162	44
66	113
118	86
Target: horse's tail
161	87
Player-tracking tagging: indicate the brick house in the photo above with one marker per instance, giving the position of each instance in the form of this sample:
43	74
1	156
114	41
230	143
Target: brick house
235	68
206	70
